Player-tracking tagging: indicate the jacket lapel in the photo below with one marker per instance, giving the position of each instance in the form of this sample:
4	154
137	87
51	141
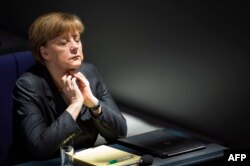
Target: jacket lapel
54	98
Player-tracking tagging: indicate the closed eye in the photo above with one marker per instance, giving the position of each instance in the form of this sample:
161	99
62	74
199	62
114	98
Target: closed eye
77	39
63	42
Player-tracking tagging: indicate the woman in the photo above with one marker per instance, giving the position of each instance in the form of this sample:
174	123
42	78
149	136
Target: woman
62	100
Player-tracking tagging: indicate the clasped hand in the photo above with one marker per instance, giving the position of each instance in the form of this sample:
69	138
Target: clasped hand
77	90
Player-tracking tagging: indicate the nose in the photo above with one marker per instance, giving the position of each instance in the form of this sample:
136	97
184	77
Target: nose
74	47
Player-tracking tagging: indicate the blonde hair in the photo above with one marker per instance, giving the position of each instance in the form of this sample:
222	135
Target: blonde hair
50	26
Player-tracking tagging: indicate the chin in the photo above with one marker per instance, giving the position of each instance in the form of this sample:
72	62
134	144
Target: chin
75	65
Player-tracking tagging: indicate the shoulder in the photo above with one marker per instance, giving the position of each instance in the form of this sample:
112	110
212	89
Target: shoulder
90	71
29	79
88	68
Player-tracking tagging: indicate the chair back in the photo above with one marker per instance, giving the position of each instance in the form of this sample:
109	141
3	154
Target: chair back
12	65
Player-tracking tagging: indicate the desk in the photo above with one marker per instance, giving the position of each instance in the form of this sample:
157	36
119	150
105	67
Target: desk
213	151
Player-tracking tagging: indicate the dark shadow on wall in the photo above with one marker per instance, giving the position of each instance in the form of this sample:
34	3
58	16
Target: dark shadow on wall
10	43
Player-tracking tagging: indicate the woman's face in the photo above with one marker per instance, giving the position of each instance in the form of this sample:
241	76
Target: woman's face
64	52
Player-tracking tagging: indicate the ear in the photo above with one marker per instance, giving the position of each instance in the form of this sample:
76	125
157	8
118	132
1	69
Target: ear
44	53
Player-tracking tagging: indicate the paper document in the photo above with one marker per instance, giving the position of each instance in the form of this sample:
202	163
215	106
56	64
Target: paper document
105	156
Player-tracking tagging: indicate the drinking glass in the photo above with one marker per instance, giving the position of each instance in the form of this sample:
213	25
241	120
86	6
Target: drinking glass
67	153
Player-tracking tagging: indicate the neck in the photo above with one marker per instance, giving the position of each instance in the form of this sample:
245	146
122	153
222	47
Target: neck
56	75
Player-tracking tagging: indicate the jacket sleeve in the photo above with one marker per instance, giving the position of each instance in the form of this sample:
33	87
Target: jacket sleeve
111	123
41	139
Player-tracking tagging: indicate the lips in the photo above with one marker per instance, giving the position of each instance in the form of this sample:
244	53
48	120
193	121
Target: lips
75	57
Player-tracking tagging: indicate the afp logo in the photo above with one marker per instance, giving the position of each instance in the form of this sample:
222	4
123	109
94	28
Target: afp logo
236	157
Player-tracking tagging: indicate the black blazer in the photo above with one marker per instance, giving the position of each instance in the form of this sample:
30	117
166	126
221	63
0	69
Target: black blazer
43	123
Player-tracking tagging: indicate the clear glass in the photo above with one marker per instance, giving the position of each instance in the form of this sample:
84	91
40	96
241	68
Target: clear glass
67	153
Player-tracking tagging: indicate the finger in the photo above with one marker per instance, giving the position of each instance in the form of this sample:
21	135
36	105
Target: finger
72	72
70	86
82	78
64	79
73	82
79	73
68	80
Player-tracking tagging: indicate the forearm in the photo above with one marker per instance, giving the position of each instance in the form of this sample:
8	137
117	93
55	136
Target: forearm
43	142
111	124
74	110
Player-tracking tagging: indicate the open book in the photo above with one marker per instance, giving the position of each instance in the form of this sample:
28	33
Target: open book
105	156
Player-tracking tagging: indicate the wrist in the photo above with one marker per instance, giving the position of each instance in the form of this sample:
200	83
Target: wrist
96	107
74	110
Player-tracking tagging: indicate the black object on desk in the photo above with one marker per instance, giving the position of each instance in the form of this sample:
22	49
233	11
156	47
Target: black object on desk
162	143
